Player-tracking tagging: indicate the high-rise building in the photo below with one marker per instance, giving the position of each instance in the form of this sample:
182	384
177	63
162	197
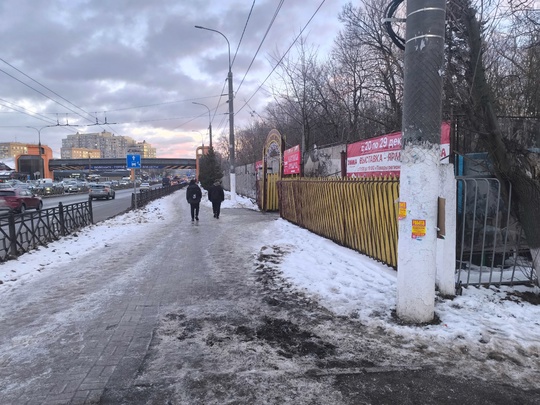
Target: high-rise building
108	144
144	149
9	150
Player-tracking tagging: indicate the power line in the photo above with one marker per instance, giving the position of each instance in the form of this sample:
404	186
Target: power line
43	94
283	57
24	111
262	42
243	32
159	104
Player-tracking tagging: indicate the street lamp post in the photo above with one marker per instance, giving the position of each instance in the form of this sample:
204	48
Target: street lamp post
41	167
202	136
231	116
209	122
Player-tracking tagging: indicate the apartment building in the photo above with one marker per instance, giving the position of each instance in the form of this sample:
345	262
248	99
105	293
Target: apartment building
9	150
108	145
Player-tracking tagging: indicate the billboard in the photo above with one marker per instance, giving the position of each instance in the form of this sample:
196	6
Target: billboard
381	156
291	160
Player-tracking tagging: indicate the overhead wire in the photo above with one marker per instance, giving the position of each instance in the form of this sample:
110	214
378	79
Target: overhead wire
222	123
283	57
243	32
43	94
262	42
25	111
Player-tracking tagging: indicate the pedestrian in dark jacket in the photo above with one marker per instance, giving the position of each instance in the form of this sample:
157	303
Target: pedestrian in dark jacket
216	196
193	197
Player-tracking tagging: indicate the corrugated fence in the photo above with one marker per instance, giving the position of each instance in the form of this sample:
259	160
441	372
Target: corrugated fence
357	213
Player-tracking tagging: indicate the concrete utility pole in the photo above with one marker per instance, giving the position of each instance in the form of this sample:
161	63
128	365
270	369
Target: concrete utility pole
419	183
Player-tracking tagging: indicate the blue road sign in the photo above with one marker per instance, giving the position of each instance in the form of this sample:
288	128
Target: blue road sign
133	161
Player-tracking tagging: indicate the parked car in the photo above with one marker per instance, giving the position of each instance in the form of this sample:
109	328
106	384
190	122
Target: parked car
99	190
144	186
19	200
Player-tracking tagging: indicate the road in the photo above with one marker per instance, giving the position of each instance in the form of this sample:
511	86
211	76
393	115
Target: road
102	209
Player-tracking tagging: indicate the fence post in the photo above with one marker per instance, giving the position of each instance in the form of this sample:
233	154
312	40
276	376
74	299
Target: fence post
61	215
91	210
12	236
343	164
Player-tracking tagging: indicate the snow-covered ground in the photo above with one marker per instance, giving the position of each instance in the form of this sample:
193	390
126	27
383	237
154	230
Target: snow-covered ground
495	325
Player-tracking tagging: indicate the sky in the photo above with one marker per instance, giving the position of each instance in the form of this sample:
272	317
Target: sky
486	323
140	65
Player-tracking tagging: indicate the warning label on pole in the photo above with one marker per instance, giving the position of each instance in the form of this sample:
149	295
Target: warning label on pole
418	228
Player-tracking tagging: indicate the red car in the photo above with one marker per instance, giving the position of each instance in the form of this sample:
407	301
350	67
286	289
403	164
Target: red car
18	200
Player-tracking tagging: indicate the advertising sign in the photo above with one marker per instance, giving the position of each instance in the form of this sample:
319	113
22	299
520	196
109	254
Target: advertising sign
418	228
381	156
291	160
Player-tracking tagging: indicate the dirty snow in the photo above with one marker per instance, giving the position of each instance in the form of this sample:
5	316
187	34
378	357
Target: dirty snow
493	327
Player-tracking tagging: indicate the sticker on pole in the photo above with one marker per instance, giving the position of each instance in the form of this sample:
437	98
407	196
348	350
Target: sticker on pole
402	210
133	161
418	228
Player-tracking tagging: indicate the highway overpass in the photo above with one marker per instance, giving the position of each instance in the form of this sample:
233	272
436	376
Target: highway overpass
107	164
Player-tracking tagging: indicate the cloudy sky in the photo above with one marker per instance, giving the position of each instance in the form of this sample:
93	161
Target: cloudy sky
141	64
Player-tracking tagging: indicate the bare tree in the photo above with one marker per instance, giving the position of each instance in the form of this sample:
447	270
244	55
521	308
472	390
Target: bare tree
512	158
382	66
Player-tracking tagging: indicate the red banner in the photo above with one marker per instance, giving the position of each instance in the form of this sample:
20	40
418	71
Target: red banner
381	156
291	160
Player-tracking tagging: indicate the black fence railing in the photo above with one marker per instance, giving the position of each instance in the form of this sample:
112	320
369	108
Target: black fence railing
143	197
20	233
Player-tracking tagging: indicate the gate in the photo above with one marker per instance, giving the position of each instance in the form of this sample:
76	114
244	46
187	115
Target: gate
267	195
490	245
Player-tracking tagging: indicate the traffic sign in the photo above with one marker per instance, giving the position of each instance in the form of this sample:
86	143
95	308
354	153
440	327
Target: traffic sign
133	161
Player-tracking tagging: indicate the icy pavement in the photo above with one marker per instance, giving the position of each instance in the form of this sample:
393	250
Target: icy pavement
148	308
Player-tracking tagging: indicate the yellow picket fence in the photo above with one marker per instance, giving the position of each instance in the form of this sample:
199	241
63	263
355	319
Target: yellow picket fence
357	213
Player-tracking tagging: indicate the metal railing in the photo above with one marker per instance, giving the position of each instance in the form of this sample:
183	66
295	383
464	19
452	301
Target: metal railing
143	197
491	248
20	233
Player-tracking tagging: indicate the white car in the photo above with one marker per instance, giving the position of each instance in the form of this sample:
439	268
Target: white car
144	186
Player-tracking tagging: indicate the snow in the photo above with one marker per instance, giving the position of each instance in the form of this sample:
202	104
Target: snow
482	321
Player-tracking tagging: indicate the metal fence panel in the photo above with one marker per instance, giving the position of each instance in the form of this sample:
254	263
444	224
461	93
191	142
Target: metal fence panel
491	249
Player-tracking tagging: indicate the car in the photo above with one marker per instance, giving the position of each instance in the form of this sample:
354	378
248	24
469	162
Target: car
19	200
72	186
144	186
99	191
166	182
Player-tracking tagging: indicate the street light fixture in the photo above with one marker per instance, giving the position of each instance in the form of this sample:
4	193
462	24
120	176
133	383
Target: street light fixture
231	116
202	136
41	167
209	121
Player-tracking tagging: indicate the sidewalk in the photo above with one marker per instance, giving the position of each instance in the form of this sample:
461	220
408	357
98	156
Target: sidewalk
193	313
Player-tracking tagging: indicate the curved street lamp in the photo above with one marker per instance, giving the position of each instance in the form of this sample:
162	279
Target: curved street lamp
209	121
202	136
41	168
231	115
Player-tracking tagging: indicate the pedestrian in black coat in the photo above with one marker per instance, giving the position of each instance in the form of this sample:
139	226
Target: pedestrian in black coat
193	197
216	196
